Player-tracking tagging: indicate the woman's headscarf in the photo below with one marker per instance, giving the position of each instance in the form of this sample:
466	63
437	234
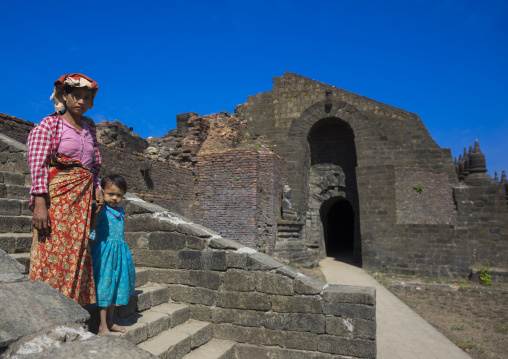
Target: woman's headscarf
74	80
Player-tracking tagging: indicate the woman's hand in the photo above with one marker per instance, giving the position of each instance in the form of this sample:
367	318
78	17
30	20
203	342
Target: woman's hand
99	200
41	221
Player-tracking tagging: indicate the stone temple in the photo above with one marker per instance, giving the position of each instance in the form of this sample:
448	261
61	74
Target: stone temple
300	172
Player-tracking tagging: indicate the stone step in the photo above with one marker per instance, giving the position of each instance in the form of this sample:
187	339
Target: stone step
14	207
13	191
143	299
15	242
214	349
175	343
152	322
24	259
15	224
15	178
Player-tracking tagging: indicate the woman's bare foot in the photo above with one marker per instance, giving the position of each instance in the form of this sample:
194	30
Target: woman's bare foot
116	328
103	331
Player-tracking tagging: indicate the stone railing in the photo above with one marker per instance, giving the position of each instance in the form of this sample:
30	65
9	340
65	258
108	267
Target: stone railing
268	308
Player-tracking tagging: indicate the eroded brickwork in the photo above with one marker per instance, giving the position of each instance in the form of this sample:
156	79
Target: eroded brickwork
239	193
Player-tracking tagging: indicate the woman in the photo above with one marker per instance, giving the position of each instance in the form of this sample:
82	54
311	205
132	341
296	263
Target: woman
64	161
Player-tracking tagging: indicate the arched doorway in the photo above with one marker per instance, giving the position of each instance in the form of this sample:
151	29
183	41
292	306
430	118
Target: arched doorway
338	218
333	223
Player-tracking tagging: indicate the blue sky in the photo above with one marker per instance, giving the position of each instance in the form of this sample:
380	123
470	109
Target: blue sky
445	60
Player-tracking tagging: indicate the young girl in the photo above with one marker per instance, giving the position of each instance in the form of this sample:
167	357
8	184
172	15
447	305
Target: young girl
113	267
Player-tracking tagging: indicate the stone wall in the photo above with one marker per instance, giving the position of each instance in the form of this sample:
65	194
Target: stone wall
265	306
382	153
15	128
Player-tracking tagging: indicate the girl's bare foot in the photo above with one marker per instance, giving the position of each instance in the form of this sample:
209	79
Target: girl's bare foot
103	331
116	328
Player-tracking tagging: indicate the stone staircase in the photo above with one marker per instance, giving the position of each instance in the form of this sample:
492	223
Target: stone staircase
15	217
152	321
164	328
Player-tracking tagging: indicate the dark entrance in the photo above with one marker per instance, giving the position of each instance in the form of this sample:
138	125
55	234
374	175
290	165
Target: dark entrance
338	218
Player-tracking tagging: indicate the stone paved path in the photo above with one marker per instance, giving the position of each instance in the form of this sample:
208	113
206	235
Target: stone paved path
401	333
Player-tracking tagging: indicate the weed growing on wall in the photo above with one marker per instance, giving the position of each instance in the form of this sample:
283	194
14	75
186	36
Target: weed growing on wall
418	188
484	274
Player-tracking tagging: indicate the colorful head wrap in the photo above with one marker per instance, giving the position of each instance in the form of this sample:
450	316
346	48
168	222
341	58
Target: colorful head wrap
74	80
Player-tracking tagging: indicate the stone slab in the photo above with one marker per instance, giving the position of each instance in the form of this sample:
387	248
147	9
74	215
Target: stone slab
27	307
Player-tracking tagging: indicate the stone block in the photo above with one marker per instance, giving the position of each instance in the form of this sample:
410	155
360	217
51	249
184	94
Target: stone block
288	271
300	340
15	224
239	280
223	243
348	310
10	207
204	279
308	285
167	226
18	192
191	259
159	296
248	351
273	283
141	224
136	240
142	277
343	346
191	229
170	276
192	295
231	332
166	240
236	260
215	260
243	300
195	242
200	312
349	294
296	304
155	259
262	336
177	313
314	323
156	322
260	261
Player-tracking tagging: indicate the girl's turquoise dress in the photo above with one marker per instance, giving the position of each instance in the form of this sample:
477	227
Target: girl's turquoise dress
113	267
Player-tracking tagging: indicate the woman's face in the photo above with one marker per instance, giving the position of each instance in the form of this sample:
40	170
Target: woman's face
79	101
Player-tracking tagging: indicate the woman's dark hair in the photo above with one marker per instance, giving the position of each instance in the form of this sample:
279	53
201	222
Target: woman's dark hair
116	180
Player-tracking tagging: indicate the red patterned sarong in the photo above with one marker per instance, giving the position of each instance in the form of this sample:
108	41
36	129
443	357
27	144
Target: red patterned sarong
63	258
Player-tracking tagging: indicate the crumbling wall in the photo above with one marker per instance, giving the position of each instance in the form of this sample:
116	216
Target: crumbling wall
155	181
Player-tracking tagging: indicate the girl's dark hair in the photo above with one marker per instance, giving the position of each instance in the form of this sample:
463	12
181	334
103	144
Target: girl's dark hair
116	180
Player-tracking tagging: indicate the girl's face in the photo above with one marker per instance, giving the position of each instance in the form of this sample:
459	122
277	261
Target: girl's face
113	195
78	101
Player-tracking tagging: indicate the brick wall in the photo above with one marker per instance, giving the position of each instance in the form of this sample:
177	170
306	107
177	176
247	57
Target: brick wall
434	204
239	193
162	183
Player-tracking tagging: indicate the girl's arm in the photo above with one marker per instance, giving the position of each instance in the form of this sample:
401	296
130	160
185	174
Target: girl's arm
95	214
